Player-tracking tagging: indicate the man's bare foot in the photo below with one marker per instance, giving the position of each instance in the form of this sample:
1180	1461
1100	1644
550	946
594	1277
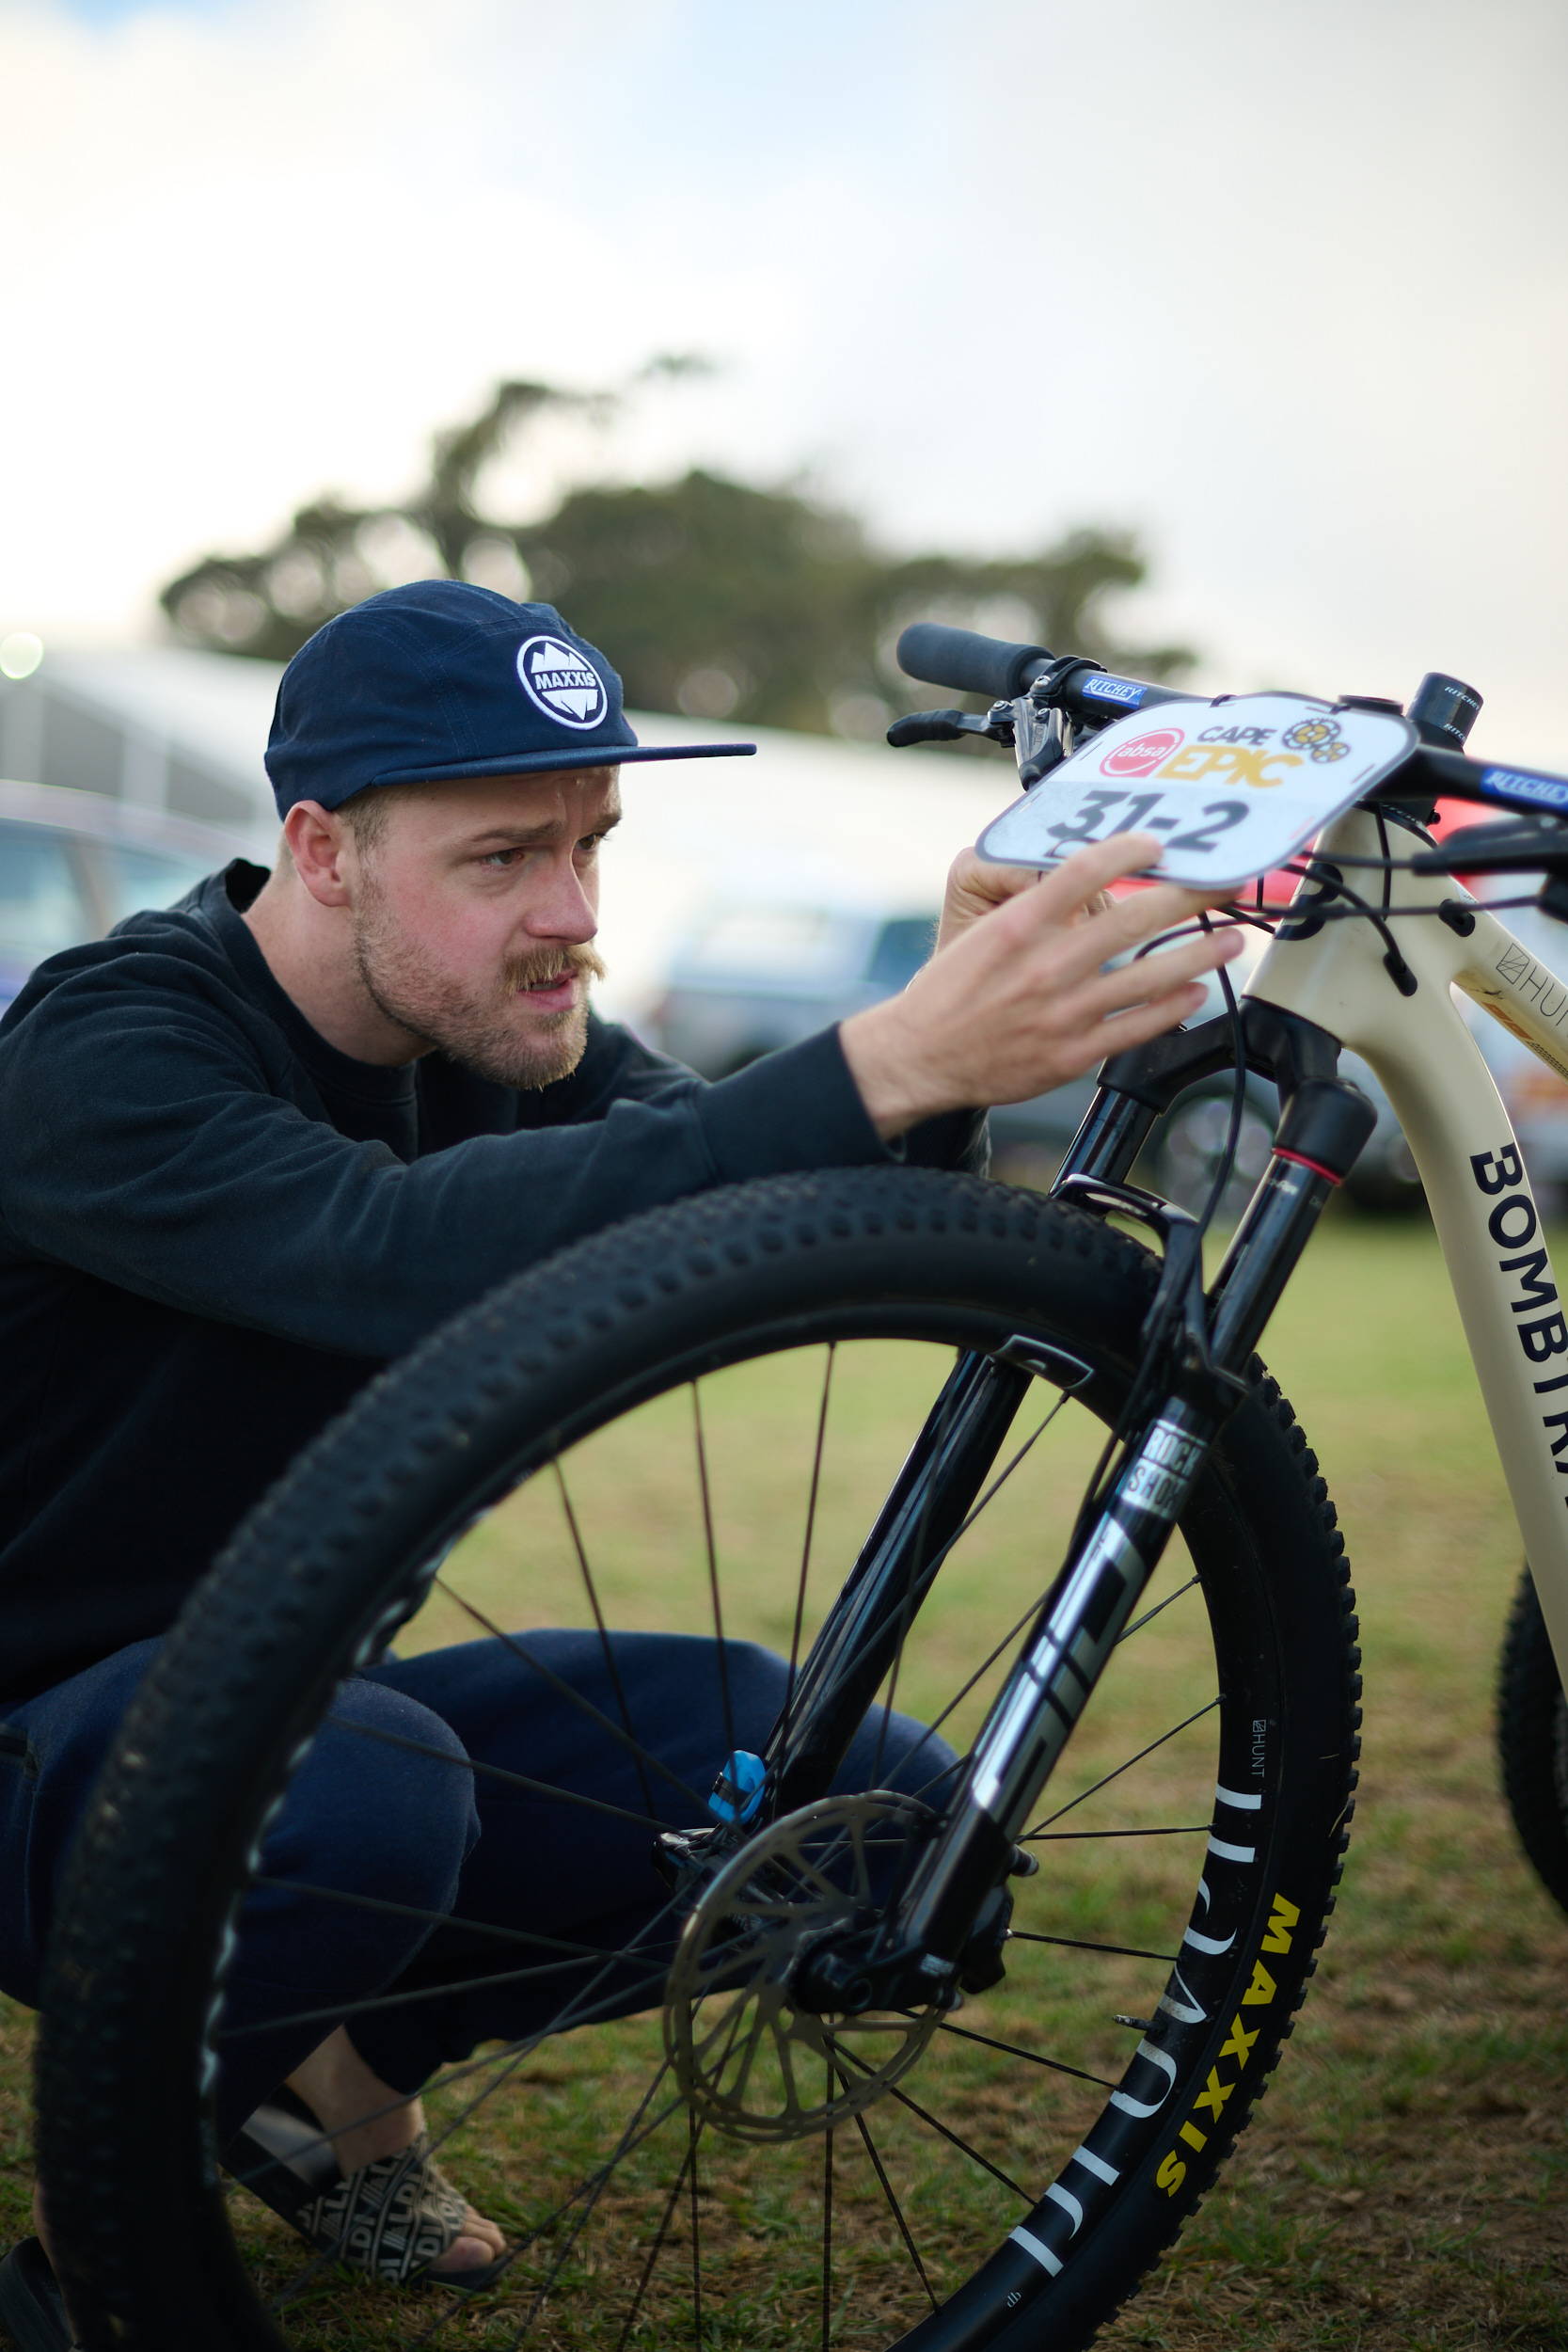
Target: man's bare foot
368	2120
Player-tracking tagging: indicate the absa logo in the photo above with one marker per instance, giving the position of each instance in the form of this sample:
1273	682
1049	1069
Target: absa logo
1143	755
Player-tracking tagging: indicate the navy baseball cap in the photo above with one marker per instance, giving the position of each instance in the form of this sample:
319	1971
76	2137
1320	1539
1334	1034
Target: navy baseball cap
440	679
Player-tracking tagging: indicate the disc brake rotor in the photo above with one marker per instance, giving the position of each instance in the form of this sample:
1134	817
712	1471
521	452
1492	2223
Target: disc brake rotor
751	2060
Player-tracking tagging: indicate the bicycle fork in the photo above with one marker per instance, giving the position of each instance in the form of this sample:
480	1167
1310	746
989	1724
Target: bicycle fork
947	1924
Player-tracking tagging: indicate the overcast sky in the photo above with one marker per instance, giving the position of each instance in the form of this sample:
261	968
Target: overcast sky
1279	286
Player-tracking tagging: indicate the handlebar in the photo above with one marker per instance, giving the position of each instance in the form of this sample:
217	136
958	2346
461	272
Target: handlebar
970	663
961	658
1441	710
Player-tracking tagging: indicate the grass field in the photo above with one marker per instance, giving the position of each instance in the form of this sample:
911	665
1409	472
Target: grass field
1403	2184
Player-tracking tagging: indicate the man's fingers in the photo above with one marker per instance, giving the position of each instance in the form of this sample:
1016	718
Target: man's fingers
983	878
1162	908
1129	1025
1070	885
1137	1024
1152	979
1072	895
1062	958
1149	978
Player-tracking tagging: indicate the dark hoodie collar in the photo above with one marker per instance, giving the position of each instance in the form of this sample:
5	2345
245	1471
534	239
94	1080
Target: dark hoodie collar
222	901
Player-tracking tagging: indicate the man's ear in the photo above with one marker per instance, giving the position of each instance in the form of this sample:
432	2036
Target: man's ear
322	848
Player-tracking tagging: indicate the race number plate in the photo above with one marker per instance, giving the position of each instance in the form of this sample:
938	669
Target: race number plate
1231	787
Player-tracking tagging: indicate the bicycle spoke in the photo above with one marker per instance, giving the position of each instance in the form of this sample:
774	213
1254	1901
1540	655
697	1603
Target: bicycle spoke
954	2138
737	2019
660	2236
694	2132
837	2075
755	2035
476	1764
574	2014
606	1645
1149	1616
828	2218
592	2188
892	2205
334	2014
1016	2049
1078	1944
1015	1632
991	1493
559	1684
796	1628
712	1550
1020	1625
907	1606
511	2057
561	2024
438	1918
630	2139
321	2263
730	2021
1078	1836
873	2024
1105	1781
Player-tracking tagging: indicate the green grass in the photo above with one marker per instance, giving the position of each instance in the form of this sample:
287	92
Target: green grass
1404	2183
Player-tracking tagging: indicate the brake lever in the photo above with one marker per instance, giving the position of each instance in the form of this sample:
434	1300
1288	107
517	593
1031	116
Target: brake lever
1516	844
947	726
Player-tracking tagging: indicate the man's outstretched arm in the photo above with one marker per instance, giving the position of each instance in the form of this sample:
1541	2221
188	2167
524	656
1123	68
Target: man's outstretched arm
1017	999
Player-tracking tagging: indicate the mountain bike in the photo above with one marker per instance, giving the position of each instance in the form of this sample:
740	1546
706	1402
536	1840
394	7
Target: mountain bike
945	2063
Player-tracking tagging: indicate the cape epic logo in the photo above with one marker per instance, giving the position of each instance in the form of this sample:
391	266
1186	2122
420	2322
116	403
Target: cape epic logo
565	685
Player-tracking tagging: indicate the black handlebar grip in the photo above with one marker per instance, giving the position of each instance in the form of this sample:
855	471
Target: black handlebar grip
973	664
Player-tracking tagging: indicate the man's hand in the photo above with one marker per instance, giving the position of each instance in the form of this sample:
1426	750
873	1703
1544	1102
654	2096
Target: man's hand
1015	1001
976	887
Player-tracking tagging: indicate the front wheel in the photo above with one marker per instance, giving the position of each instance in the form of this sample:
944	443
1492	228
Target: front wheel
690	1422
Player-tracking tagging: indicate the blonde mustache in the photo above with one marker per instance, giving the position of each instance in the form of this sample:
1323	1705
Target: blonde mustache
548	964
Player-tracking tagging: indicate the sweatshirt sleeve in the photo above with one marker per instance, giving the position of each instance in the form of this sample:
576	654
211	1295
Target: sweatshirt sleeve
145	1140
618	1064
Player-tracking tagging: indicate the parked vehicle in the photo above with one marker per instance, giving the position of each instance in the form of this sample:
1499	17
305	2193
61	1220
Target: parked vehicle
73	864
751	976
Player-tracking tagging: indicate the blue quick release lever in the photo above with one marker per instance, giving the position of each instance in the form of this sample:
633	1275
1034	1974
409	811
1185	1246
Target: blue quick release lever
737	1790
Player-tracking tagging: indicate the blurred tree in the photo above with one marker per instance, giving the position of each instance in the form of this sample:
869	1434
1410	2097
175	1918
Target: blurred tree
716	598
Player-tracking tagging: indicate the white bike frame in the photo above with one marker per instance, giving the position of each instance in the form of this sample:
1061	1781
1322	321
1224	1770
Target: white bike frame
1464	1145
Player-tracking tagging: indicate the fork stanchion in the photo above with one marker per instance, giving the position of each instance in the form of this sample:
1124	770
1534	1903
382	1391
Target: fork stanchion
1325	1123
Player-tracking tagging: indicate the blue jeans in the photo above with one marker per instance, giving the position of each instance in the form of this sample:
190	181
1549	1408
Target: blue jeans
467	1851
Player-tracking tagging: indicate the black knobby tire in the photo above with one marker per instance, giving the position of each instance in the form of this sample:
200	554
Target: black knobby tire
1152	1864
1532	1740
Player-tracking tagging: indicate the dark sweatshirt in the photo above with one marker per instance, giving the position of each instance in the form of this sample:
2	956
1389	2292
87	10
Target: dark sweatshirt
215	1228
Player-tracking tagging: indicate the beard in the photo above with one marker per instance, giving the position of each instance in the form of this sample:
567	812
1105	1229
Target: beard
494	1032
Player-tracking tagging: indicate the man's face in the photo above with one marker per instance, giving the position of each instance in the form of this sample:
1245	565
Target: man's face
474	914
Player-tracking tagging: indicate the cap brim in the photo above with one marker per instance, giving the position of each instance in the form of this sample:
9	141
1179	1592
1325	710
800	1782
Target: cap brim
547	763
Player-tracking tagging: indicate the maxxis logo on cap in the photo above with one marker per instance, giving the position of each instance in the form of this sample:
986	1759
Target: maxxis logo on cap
562	683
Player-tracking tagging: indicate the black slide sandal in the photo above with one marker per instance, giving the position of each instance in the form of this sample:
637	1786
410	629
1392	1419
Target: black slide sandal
390	2221
32	2309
